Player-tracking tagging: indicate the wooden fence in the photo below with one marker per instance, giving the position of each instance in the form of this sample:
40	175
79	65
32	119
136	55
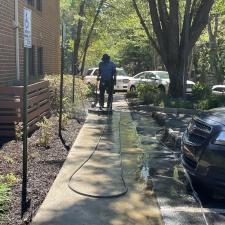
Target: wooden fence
11	106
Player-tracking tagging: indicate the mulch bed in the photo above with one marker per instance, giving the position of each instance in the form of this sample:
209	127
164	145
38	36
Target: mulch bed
43	167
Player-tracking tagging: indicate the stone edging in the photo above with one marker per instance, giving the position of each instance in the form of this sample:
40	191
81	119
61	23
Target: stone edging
138	106
166	110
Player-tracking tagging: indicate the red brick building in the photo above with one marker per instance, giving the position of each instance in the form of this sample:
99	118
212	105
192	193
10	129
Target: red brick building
45	53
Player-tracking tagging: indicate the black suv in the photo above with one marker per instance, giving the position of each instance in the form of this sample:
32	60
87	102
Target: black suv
203	147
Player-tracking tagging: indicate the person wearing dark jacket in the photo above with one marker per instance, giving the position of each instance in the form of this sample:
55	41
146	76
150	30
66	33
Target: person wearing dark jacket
107	76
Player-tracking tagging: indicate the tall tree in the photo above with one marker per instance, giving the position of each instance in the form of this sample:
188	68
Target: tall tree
213	54
77	37
101	3
176	39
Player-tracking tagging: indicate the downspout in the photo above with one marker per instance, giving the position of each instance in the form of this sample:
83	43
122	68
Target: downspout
17	40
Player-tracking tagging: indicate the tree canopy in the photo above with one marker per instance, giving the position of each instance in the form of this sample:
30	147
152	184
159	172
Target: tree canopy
150	34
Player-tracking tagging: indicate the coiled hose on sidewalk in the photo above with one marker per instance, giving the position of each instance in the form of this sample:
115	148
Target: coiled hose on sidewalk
90	156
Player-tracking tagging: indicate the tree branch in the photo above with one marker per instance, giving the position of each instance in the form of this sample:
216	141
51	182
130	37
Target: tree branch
158	30
164	16
173	32
200	21
151	40
90	34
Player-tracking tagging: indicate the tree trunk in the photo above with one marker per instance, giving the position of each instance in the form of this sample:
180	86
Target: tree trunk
175	46
77	38
89	35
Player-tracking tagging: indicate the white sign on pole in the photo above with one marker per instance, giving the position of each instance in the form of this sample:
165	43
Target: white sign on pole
27	28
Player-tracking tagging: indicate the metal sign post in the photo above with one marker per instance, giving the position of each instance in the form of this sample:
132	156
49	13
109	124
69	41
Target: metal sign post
61	82
27	45
61	88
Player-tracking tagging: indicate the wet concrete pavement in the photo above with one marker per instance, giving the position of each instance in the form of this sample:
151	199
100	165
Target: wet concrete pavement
157	185
101	176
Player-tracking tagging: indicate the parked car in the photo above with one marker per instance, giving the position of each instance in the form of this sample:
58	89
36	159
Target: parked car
218	89
122	79
159	78
203	148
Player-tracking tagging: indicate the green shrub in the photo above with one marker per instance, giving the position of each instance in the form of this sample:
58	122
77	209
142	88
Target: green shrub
91	90
82	91
19	131
148	93
6	182
211	102
201	91
4	197
10	179
65	119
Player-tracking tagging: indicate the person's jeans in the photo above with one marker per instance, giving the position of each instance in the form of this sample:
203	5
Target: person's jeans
106	85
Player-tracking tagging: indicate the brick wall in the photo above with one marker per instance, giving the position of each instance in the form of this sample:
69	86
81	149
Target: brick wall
45	31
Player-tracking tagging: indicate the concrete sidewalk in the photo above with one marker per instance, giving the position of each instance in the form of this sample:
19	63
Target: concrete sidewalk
101	175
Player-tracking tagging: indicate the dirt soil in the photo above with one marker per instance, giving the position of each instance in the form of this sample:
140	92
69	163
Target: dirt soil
43	167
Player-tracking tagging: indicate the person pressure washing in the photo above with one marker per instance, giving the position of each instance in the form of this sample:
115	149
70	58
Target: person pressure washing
107	77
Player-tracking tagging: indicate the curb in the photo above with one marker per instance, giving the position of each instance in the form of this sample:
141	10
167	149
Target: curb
173	136
166	110
138	105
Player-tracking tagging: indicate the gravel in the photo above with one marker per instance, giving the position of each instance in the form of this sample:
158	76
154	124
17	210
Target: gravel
43	167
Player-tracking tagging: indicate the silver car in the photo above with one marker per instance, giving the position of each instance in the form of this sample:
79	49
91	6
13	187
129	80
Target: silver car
158	78
218	89
122	79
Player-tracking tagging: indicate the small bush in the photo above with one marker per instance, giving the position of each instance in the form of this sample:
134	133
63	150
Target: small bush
8	159
201	91
65	119
4	197
45	132
211	102
91	90
82	91
19	131
148	93
11	179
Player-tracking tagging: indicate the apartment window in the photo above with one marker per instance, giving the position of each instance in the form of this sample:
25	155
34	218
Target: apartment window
39	5
40	60
30	2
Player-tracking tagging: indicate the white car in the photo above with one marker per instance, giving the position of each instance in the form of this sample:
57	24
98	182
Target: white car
218	89
158	78
122	79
